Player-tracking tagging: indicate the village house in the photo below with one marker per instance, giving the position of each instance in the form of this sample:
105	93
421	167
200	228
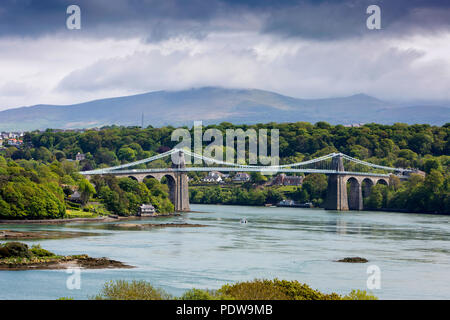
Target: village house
75	197
241	177
354	125
213	176
406	175
11	135
284	180
146	210
80	156
14	142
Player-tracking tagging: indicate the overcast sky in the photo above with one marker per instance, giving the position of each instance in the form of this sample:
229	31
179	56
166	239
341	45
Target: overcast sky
305	49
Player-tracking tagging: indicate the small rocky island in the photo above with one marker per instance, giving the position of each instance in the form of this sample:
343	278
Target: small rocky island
18	256
353	260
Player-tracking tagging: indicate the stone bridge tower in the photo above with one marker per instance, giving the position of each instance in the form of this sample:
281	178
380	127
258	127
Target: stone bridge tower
177	181
337	196
337	187
180	196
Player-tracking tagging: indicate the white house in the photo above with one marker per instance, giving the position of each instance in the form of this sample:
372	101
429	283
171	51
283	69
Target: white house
146	210
213	176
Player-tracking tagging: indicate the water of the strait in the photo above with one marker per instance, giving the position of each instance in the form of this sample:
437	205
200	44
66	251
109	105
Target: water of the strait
412	252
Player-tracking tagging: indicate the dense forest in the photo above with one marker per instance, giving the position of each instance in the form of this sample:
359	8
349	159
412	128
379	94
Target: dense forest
398	145
40	166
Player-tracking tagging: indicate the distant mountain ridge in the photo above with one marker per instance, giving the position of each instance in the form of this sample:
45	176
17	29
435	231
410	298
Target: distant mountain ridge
215	105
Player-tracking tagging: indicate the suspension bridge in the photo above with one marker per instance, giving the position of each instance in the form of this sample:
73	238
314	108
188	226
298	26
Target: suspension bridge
341	170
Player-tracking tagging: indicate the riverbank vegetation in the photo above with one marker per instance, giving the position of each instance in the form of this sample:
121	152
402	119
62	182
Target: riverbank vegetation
30	189
418	194
249	290
124	196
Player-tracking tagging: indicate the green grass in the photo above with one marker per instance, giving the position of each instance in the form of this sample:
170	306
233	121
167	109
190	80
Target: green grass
286	188
90	210
32	260
70	213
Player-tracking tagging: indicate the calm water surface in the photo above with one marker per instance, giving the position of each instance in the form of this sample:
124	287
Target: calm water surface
411	250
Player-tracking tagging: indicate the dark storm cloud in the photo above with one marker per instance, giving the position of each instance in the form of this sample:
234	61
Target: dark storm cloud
107	18
340	19
156	20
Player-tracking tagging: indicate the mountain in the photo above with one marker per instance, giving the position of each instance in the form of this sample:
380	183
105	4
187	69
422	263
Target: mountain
215	105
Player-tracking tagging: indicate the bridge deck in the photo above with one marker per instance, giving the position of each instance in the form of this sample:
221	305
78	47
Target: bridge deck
267	170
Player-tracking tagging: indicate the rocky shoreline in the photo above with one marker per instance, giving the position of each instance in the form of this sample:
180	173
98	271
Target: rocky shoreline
140	226
80	261
41	234
98	219
57	221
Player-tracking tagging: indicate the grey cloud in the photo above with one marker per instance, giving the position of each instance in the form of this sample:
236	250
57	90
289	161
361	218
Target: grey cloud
156	20
319	70
343	19
150	19
299	48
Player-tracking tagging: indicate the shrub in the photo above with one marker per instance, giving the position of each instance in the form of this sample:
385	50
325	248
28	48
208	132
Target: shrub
300	291
198	294
4	252
16	249
274	290
134	290
40	252
359	295
250	290
254	290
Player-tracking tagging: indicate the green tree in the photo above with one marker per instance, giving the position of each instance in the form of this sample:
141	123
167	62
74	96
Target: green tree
126	154
316	185
431	164
257	177
434	181
86	190
375	199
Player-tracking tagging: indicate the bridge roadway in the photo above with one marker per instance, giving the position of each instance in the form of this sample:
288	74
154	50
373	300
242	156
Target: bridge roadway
268	170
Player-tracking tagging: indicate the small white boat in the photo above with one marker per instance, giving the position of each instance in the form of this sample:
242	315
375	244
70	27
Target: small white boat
243	220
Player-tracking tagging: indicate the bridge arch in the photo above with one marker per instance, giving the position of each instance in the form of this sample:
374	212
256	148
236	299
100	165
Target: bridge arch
171	182
354	194
382	181
150	176
366	187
